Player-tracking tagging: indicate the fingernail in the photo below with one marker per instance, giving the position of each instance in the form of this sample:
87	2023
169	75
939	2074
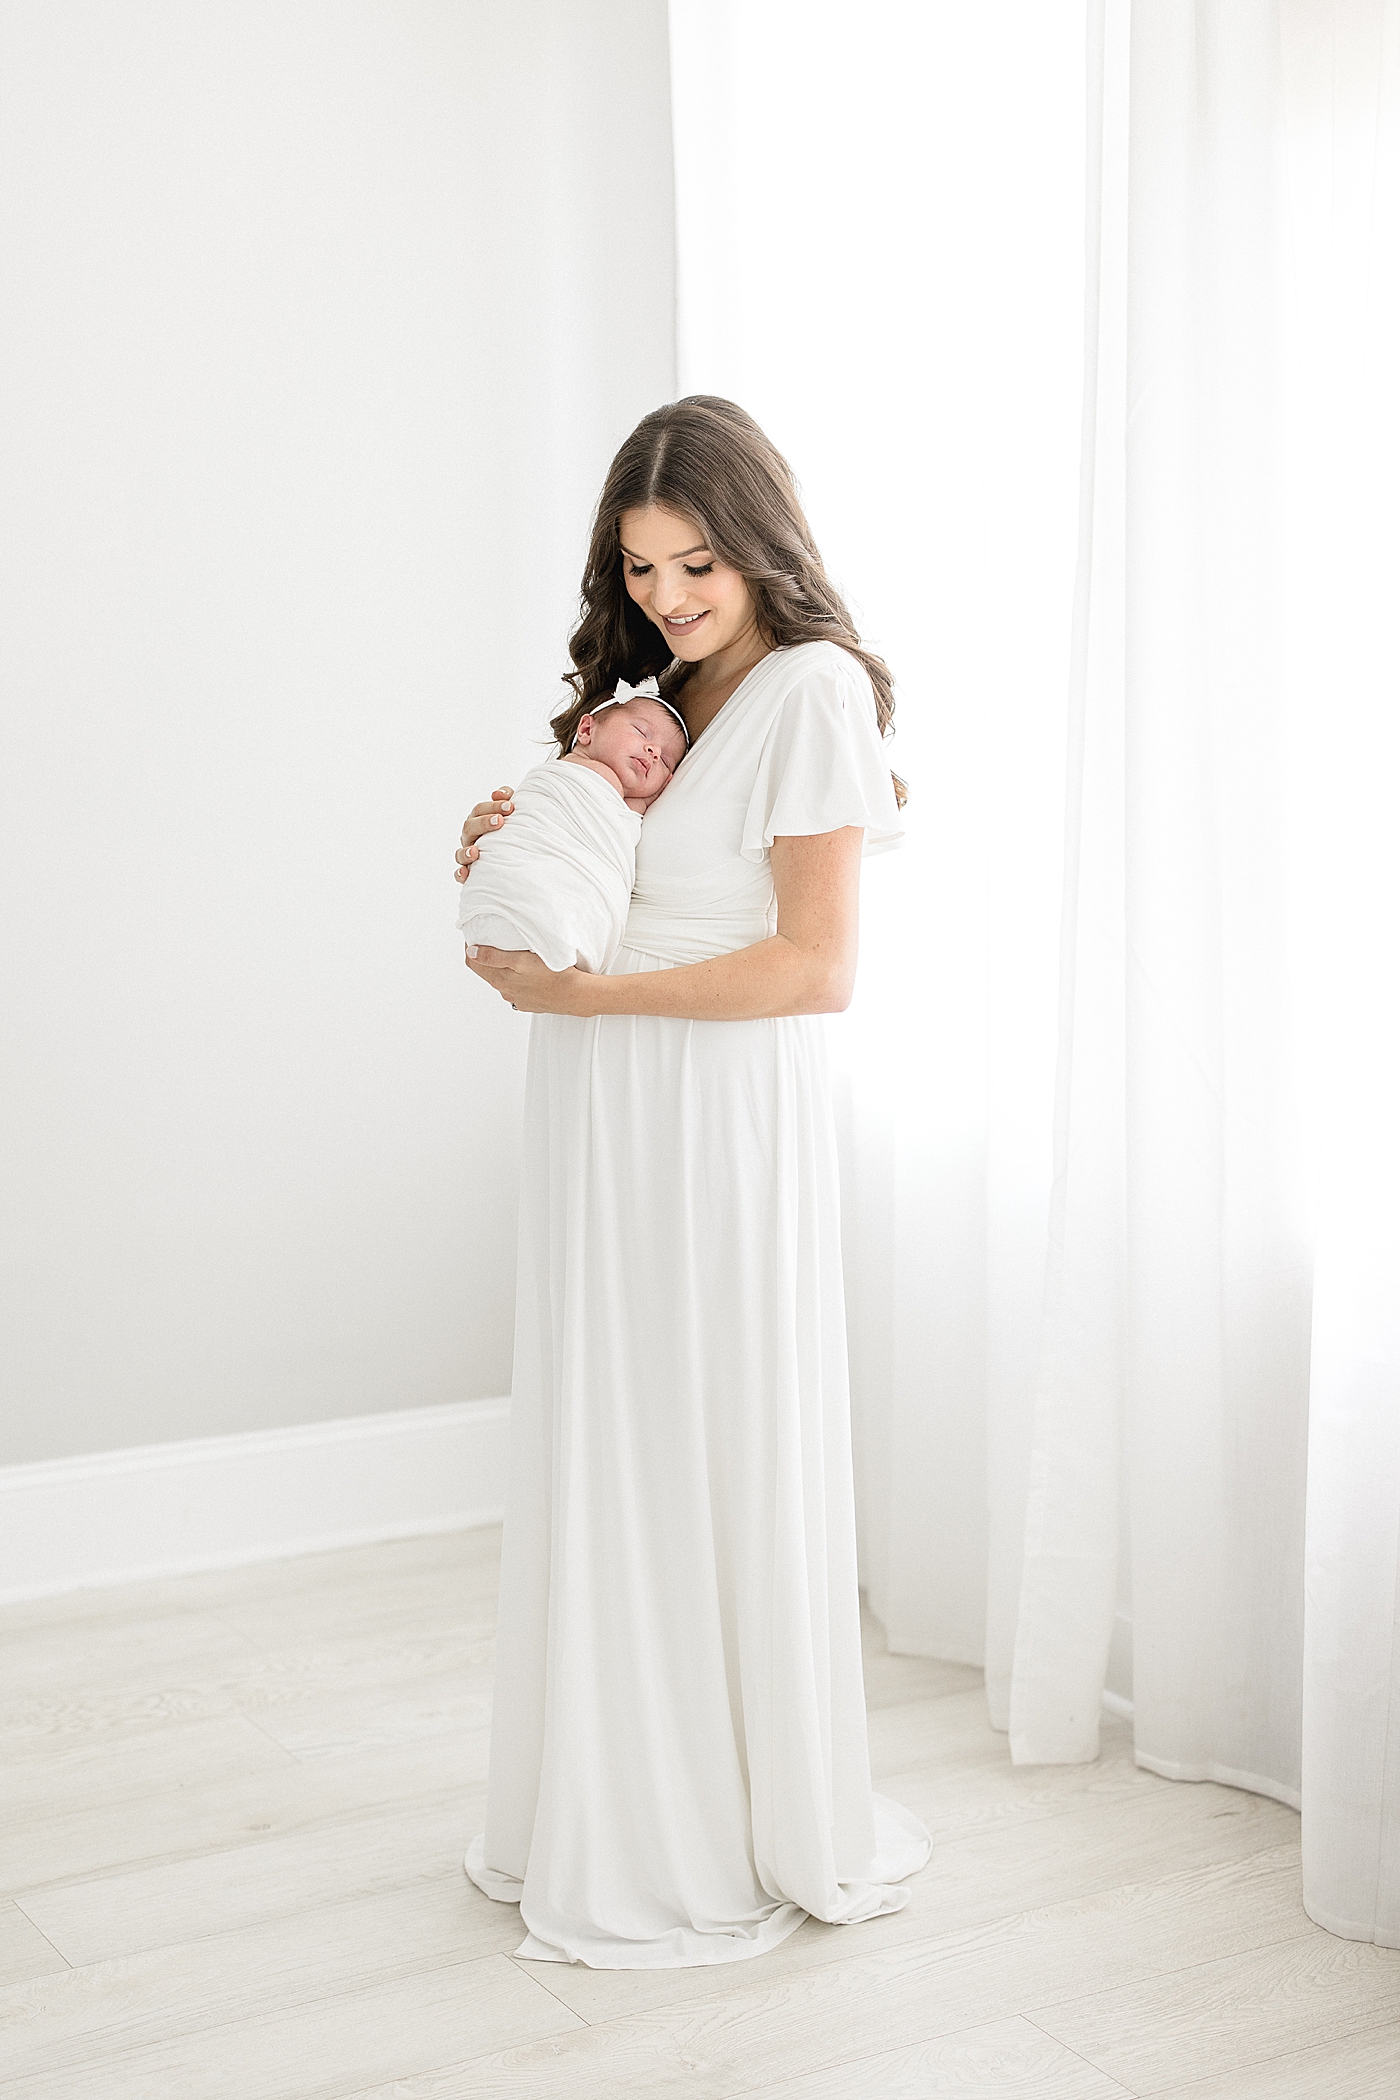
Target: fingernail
495	820
471	952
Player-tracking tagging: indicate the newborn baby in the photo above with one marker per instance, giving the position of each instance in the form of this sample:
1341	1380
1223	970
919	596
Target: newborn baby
557	877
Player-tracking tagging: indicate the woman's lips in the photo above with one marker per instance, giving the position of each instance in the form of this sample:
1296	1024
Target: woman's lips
684	626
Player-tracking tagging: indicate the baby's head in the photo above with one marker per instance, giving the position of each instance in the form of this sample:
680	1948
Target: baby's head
640	739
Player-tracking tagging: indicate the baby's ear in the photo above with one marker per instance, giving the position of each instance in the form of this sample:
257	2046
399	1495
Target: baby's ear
585	728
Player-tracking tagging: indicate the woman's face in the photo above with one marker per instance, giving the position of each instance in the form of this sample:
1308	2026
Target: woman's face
699	603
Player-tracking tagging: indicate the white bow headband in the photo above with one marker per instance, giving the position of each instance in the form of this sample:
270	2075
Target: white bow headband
647	690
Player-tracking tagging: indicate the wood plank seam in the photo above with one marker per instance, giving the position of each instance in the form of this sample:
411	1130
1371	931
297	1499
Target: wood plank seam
1130	2092
68	1965
909	1952
854	2063
109	2058
528	1969
1360	2023
1305	1931
352	1818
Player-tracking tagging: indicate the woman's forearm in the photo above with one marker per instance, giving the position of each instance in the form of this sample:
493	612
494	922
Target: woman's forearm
772	978
807	967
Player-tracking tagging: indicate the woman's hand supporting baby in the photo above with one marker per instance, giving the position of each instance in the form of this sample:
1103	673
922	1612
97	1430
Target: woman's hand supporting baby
528	984
516	973
513	972
487	816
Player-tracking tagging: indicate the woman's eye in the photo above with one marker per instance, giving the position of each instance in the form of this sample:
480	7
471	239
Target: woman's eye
645	570
695	572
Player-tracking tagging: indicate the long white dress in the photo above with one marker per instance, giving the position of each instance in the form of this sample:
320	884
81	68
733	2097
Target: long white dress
679	1768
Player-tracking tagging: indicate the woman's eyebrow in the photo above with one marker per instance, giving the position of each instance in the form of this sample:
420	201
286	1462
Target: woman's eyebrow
703	548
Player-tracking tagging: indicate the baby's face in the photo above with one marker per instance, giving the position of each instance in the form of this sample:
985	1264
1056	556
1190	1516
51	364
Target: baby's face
640	741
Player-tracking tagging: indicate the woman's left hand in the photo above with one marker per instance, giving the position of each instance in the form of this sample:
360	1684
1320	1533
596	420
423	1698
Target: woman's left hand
526	983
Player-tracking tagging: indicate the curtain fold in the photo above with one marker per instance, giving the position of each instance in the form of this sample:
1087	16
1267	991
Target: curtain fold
1218	1262
1342	88
1068	1575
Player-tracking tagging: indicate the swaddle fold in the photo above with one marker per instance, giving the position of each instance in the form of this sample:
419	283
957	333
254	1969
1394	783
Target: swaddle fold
557	876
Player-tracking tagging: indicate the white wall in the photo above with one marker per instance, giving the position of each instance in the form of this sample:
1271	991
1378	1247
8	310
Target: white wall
320	323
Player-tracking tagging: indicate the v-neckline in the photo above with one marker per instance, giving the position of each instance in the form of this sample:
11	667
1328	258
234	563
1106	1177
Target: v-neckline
725	705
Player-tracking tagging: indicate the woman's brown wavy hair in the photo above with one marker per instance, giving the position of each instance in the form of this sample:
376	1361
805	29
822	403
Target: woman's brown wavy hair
708	461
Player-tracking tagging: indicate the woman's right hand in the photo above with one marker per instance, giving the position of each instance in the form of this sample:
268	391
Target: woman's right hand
487	816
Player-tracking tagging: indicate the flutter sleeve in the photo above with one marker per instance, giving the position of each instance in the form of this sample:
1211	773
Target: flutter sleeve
823	764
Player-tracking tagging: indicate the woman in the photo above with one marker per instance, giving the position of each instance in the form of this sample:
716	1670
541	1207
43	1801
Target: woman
679	1768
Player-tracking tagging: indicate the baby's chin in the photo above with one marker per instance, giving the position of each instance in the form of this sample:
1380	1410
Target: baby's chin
644	792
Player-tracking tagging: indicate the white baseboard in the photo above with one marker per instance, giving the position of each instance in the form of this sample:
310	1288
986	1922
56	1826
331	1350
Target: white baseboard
215	1502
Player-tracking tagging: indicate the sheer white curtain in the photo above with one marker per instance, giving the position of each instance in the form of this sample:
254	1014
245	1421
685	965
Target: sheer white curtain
1254	1048
1178	1296
879	231
1119	510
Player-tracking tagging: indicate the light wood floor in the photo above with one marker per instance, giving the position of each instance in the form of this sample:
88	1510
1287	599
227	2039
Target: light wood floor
234	1811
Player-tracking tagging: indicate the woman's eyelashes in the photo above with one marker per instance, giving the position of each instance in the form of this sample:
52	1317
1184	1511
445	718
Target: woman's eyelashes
644	569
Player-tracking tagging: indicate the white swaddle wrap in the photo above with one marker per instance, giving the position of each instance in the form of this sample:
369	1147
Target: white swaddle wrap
557	876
